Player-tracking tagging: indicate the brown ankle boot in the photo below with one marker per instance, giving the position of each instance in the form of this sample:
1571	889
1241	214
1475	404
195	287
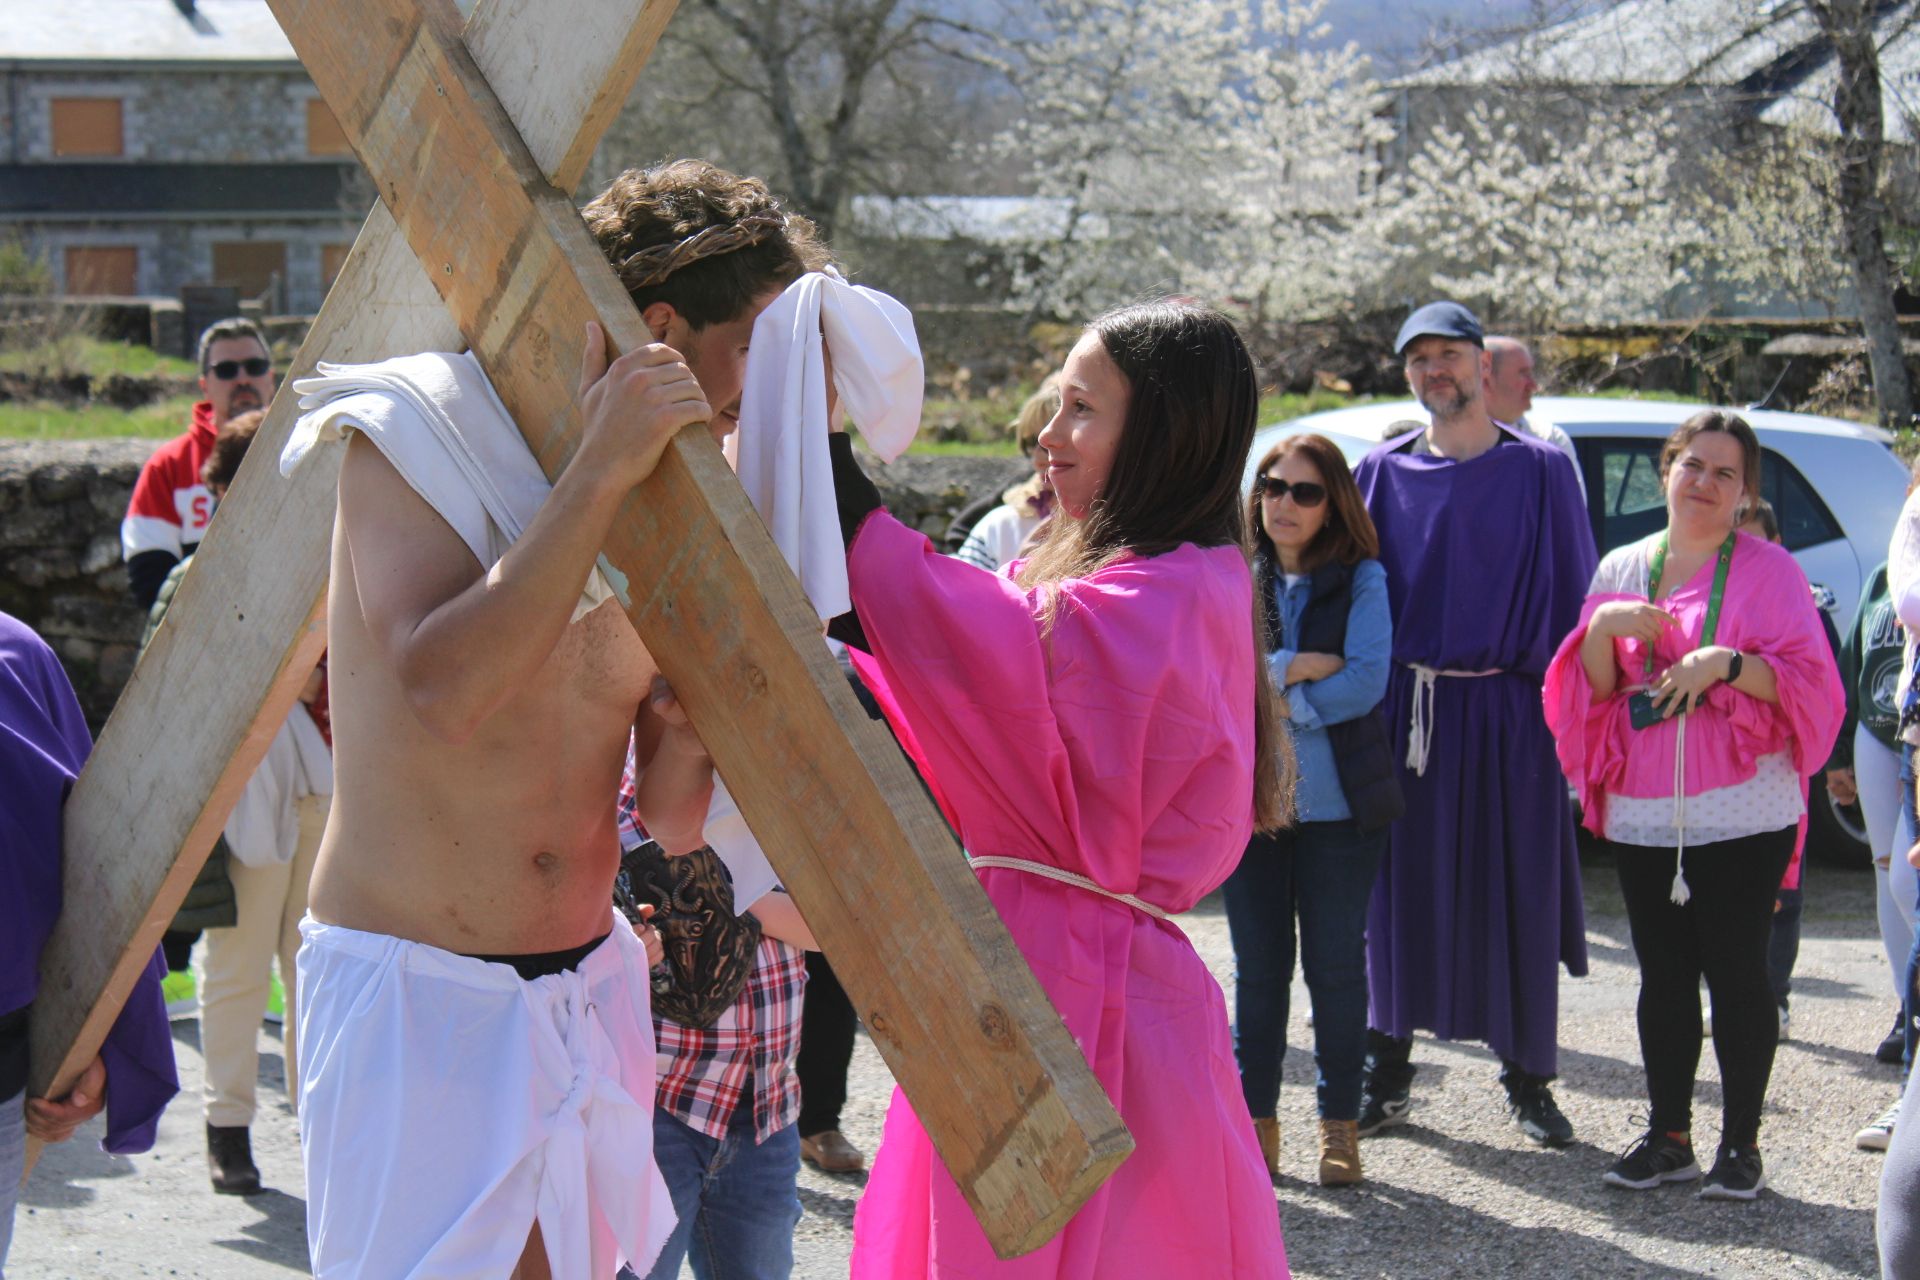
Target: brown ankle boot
230	1161
1267	1129
1339	1153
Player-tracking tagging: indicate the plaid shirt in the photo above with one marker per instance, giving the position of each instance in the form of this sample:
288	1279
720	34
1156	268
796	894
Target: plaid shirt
702	1072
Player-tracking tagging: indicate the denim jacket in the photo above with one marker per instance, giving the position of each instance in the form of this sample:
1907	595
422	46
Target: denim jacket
1349	693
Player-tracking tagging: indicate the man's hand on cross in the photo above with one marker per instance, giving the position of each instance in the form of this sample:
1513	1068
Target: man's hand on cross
631	408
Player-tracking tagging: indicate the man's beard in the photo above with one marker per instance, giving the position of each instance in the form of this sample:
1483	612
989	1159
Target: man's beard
243	400
1446	407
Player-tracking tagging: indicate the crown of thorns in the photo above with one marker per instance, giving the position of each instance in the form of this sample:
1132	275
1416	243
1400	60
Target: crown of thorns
651	266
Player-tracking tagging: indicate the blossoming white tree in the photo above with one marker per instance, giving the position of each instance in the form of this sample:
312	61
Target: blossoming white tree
1540	222
1205	147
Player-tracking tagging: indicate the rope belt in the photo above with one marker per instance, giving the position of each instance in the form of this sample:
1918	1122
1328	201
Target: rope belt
1420	735
1680	893
1072	878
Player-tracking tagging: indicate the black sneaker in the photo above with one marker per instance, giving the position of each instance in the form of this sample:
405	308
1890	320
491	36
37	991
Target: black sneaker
1383	1106
1654	1159
1736	1175
1892	1048
1530	1103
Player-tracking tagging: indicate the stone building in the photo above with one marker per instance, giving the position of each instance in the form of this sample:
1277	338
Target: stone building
151	144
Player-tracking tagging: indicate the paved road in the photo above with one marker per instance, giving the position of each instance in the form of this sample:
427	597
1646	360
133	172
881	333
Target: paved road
1456	1193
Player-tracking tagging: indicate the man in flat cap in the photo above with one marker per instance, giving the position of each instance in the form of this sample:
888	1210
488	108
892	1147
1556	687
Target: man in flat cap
1488	553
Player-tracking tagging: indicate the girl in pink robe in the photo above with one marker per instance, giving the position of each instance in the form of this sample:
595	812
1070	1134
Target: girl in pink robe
1117	742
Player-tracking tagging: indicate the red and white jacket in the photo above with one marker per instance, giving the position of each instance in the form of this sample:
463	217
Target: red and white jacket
170	508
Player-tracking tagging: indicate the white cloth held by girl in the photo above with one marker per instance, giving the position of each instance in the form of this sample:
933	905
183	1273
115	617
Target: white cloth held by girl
780	452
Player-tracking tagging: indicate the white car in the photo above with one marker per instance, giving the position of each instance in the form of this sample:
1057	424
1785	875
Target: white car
1836	487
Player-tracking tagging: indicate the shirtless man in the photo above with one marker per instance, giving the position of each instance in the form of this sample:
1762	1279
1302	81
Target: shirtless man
466	872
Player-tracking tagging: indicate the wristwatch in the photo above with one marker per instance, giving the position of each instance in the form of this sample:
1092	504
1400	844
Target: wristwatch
1733	667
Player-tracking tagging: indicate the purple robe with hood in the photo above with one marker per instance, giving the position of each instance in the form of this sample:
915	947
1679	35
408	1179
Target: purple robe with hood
1478	900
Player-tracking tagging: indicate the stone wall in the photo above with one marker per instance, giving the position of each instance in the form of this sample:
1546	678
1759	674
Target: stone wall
255	115
60	570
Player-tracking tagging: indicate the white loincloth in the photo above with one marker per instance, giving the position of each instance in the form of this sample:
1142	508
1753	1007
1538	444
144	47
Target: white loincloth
780	451
446	1104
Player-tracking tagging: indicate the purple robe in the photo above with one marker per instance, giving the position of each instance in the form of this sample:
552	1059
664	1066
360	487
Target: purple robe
1478	900
43	743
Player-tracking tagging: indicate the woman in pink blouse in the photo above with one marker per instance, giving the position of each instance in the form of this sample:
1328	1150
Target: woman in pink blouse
1690	706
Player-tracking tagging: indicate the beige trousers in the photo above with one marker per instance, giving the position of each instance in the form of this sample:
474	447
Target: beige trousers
238	967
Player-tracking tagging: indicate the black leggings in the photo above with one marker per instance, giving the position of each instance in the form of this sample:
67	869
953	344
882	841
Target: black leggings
1721	933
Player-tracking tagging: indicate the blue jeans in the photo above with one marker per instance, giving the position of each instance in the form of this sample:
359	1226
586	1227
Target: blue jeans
1324	871
13	1164
735	1199
1909	830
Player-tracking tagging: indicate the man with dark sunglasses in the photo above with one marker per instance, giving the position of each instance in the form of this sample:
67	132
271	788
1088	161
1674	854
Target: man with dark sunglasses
168	514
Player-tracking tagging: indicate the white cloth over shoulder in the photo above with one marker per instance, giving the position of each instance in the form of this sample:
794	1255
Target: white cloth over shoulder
781	453
264	827
446	1104
436	418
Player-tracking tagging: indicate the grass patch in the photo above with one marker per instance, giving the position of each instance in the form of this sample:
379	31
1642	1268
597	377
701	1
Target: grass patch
42	421
926	447
101	359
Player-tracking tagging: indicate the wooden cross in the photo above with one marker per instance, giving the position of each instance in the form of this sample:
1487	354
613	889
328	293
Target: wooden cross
475	144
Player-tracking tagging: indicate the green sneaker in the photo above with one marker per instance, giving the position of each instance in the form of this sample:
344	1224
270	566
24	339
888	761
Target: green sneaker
181	994
276	1002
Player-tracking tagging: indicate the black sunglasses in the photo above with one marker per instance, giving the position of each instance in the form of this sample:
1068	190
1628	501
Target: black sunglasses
1305	492
228	370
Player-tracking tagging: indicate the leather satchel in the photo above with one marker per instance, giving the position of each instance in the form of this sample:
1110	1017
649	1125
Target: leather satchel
709	949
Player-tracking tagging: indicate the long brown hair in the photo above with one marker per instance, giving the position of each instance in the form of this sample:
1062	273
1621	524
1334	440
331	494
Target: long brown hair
1193	402
1348	536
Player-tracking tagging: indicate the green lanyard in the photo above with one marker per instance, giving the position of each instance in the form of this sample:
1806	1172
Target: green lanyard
1658	565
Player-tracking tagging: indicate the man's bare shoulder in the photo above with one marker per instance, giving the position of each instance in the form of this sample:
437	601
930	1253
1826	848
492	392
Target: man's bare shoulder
402	551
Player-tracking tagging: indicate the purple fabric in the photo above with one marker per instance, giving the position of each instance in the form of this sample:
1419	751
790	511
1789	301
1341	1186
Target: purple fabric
43	744
1478	900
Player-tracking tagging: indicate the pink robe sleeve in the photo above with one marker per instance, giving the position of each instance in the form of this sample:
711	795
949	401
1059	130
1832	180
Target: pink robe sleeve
1779	623
957	663
1588	736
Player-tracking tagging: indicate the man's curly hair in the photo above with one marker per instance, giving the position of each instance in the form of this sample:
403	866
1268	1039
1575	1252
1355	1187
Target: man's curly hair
703	240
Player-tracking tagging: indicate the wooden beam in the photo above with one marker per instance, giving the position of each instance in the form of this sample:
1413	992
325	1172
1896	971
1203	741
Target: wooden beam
247	624
1001	1087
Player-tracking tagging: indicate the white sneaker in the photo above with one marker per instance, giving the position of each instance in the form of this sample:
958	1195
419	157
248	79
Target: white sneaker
1878	1135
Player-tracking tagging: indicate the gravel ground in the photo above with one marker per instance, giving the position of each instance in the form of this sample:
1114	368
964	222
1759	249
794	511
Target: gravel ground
1455	1193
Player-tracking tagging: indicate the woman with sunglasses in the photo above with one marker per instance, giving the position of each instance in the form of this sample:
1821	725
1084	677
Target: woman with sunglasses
1325	598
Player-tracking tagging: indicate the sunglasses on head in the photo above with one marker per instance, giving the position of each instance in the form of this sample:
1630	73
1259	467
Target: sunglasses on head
228	370
1305	492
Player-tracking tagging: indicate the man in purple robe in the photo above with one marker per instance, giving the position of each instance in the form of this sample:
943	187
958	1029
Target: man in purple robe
1488	553
43	744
